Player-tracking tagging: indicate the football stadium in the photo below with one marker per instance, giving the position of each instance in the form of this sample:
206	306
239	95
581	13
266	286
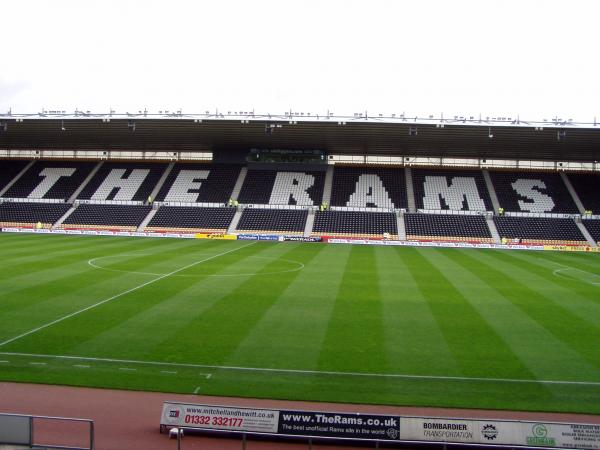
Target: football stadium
308	259
316	225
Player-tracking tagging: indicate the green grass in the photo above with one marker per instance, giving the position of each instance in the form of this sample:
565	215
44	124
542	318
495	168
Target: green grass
472	328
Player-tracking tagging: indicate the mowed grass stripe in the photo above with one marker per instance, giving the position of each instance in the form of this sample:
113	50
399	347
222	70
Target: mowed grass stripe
291	332
574	284
546	309
355	340
478	350
414	341
67	330
73	283
213	336
178	303
526	338
50	259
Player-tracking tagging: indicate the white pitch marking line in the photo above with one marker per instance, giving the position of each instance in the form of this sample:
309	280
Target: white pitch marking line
4	362
81	366
171	372
197	390
127	369
37	363
114	297
208	376
308	372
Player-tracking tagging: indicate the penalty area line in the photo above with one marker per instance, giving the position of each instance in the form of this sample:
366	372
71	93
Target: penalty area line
305	372
114	297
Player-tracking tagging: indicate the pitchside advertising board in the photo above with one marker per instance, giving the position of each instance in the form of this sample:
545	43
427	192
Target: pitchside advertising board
380	427
280	422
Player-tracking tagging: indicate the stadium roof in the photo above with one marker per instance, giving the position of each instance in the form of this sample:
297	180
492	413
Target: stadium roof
470	137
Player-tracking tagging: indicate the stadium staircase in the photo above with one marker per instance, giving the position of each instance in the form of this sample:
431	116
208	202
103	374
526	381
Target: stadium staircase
59	222
85	182
491	191
310	221
586	234
571	190
236	219
493	230
160	183
19	175
410	192
328	185
238	185
401	226
148	218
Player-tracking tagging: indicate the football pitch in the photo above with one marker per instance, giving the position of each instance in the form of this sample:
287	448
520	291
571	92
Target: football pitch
360	324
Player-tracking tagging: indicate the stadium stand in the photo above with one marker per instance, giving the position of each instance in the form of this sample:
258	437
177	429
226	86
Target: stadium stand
536	192
593	227
123	181
376	187
532	230
199	183
28	214
355	223
278	221
451	190
587	187
51	180
269	187
113	217
9	169
191	219
472	228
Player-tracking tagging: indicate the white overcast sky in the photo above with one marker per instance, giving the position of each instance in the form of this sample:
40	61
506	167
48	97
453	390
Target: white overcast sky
539	59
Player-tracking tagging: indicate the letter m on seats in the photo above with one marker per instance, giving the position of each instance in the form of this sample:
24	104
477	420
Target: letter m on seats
460	194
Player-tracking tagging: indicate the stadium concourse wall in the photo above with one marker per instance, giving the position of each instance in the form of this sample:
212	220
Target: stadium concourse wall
296	238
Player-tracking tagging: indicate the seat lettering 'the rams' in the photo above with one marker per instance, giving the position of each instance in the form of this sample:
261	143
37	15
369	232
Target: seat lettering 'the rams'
539	202
370	193
186	186
126	187
51	175
460	194
290	188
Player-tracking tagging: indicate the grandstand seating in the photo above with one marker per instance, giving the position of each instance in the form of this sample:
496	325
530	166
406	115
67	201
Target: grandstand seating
13	214
355	223
536	192
51	180
191	219
451	189
201	183
587	187
123	181
281	221
447	227
121	217
593	227
380	187
540	230
282	187
9	169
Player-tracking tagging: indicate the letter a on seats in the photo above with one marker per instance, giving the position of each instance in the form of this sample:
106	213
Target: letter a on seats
290	187
370	193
